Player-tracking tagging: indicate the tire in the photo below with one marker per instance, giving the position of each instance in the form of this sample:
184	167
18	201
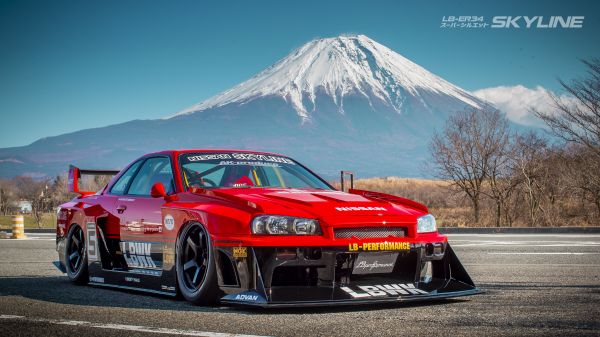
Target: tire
76	255
195	265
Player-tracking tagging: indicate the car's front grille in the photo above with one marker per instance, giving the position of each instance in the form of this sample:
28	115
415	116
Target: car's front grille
374	232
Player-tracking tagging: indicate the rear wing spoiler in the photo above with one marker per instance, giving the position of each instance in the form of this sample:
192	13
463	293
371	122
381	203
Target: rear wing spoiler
75	174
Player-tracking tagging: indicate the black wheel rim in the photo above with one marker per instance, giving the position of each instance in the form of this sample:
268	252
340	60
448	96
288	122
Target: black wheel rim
76	250
194	257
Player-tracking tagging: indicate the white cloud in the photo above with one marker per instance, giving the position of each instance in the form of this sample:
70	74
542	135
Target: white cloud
517	101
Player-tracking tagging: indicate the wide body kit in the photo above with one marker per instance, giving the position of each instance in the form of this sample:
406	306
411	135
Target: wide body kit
367	248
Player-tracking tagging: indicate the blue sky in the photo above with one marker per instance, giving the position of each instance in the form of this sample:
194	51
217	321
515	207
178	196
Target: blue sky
69	65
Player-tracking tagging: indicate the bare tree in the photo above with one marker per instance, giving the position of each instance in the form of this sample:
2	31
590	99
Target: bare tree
578	121
467	148
36	192
58	192
501	182
7	196
583	169
529	164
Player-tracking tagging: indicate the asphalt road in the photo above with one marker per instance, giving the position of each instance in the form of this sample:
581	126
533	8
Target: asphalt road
536	285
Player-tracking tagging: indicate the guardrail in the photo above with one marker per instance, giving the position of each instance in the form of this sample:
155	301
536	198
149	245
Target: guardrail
518	230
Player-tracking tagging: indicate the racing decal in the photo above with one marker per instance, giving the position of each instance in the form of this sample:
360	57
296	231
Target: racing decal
92	239
401	289
241	156
151	272
377	246
169	222
143	226
132	279
167	288
372	263
244	297
247	163
239	252
96	279
360	208
168	254
138	254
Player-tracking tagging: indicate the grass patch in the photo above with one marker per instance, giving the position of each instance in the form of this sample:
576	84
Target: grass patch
48	221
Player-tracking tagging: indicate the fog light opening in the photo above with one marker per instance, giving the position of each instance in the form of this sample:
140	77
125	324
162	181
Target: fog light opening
286	253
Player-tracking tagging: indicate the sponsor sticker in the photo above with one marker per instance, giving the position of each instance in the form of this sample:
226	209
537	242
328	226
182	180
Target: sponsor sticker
96	279
241	156
382	290
242	163
167	288
169	222
240	252
373	263
138	254
378	246
360	208
244	297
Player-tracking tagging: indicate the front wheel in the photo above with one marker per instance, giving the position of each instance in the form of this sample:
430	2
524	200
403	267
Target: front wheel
76	255
196	270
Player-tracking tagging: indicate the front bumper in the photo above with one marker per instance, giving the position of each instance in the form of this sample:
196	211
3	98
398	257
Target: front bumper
327	276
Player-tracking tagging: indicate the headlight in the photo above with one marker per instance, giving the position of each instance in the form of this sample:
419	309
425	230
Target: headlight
284	225
426	224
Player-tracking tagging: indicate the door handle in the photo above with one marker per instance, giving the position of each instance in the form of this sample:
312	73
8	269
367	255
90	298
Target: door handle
121	209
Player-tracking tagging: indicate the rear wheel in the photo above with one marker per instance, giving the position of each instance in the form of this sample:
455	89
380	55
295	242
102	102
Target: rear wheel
76	255
196	270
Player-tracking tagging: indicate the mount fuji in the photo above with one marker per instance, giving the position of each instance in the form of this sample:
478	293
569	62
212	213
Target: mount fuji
346	102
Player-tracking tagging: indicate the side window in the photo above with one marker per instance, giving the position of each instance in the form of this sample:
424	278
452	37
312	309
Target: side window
121	184
153	170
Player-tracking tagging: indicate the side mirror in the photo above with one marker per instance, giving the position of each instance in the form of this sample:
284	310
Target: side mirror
158	190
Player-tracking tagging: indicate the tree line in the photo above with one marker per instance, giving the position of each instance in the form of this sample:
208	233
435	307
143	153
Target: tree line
43	195
535	178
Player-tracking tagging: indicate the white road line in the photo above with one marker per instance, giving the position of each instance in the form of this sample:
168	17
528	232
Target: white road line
533	265
124	327
564	236
471	243
544	253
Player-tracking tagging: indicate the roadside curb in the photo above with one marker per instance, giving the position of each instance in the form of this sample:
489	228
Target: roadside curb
517	230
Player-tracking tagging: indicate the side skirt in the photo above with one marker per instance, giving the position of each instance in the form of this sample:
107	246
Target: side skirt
107	285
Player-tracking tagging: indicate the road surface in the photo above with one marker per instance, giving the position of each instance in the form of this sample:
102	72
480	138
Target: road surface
536	285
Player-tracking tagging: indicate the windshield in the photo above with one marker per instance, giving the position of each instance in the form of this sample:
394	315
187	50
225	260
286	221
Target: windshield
243	170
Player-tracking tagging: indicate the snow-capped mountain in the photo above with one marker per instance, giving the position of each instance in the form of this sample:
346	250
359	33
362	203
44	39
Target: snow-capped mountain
346	102
338	67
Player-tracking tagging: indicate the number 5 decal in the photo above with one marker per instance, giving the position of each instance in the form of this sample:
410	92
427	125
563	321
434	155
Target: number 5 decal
92	240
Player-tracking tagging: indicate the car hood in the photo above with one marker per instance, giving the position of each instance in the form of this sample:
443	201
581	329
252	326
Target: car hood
320	203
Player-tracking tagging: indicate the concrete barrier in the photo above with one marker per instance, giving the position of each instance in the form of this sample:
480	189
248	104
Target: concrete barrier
18	228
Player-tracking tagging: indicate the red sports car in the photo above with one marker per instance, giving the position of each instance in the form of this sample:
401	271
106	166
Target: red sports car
251	228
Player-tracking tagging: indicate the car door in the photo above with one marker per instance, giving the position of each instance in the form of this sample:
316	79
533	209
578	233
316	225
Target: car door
141	226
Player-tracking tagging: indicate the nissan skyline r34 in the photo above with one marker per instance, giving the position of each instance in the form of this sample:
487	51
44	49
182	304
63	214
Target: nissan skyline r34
251	228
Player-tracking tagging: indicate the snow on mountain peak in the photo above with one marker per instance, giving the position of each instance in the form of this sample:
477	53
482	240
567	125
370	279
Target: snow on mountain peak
338	66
